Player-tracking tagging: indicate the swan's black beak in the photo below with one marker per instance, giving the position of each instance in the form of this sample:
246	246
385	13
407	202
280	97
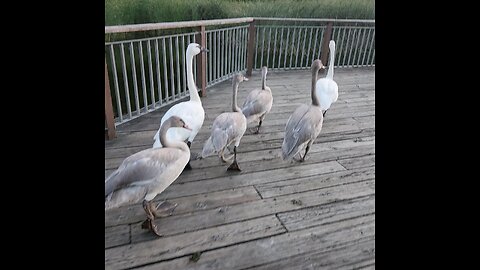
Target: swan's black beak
203	50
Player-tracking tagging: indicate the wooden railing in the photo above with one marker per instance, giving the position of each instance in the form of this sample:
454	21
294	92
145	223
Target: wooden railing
143	81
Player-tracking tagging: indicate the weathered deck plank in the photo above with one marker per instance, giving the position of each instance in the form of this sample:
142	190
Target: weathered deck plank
238	212
226	183
328	213
356	255
232	180
357	162
270	152
353	256
274	248
134	213
116	236
295	185
113	157
188	243
333	124
340	109
319	214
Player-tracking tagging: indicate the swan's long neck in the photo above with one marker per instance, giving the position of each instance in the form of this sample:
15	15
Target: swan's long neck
190	81
235	108
170	144
314	87
330	65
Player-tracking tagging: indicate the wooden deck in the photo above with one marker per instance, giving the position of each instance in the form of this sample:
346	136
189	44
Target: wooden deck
319	214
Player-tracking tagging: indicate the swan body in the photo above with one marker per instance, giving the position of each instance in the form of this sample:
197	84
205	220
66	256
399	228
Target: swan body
327	88
191	111
227	128
258	102
144	175
147	173
305	124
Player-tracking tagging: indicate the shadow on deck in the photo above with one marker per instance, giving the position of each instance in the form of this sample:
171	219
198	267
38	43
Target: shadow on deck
274	214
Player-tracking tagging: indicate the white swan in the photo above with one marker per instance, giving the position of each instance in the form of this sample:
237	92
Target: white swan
144	175
304	124
190	111
227	128
258	102
327	88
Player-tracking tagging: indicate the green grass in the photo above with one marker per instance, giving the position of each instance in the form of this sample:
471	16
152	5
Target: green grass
121	12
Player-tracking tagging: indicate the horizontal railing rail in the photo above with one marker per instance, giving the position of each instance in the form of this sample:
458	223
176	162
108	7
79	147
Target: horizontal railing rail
148	73
294	47
173	25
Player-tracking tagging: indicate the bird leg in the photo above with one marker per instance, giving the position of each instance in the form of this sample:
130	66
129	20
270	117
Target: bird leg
306	151
325	112
234	165
299	158
188	166
253	130
258	128
149	224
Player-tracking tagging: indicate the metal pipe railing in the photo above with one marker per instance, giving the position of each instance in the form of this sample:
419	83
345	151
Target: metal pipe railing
149	73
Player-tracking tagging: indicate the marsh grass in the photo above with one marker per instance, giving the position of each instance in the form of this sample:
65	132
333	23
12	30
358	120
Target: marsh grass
119	12
122	12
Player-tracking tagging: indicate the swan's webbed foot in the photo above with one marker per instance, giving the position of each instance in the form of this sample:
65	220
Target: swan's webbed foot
234	167
164	209
297	157
149	224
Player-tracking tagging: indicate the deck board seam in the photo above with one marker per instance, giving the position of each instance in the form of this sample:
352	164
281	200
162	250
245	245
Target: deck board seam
278	181
340	246
261	216
206	250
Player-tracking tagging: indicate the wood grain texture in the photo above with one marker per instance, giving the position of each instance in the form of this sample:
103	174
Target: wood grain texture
171	247
274	248
274	214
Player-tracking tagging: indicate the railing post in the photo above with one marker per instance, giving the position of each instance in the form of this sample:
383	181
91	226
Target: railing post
327	36
250	49
109	118
202	62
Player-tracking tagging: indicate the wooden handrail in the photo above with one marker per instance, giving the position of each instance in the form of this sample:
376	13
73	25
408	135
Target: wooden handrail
201	39
313	20
172	25
175	25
